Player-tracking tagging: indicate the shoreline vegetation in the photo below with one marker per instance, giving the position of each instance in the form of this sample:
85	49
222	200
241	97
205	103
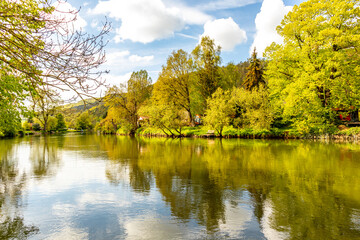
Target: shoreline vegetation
351	134
305	87
345	135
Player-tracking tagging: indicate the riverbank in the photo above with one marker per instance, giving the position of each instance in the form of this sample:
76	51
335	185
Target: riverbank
345	134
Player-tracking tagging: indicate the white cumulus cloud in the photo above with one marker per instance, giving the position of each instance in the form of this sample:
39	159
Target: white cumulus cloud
269	17
146	21
225	32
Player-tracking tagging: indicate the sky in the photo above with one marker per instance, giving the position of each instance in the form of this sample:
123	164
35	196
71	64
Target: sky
145	32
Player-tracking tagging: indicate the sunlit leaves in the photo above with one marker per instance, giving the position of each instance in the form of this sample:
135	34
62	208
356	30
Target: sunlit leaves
315	69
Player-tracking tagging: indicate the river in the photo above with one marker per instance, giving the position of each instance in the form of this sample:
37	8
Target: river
109	187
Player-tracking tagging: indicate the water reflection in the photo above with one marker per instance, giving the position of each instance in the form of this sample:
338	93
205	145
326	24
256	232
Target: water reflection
12	183
96	187
307	190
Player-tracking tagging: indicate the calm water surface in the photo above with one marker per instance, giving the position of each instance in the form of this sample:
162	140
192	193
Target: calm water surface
108	187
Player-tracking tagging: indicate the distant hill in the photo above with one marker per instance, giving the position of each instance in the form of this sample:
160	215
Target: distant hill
96	108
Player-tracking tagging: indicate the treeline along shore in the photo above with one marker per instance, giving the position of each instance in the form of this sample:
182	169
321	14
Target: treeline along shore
306	87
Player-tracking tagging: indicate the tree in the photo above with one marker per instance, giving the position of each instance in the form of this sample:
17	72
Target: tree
44	107
60	126
111	122
167	117
41	52
254	76
253	109
174	84
128	98
233	75
207	61
11	98
219	112
40	44
316	69
83	122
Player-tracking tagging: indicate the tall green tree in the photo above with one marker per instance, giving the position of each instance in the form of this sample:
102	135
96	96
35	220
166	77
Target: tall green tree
175	84
61	125
254	76
207	61
129	97
316	69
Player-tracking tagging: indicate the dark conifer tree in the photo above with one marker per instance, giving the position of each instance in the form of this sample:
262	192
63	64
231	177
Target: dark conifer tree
254	76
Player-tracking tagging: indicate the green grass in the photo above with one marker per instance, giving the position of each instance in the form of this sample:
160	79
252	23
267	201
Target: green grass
350	132
228	132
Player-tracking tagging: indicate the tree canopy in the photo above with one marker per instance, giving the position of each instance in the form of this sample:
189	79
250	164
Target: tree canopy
128	98
316	69
175	84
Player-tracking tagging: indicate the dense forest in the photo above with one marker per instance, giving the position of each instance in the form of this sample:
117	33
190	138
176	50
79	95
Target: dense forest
308	84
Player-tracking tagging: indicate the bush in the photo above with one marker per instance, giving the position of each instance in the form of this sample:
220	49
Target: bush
36	127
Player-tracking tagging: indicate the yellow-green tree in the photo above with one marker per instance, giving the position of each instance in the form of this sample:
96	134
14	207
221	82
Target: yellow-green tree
83	122
175	84
167	117
219	111
253	109
207	60
128	98
316	69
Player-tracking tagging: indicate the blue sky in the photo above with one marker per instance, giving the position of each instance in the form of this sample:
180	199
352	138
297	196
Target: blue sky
145	32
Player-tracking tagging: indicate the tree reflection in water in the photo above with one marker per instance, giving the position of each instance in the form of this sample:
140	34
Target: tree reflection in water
311	190
12	183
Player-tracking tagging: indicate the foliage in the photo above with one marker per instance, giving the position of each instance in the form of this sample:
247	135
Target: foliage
350	131
207	60
11	103
61	125
111	123
166	117
36	126
52	124
83	122
40	53
174	85
44	108
128	98
254	76
26	126
219	112
10	121
233	75
316	69
253	109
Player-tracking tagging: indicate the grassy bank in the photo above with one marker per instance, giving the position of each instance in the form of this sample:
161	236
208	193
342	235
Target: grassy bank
231	132
228	132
